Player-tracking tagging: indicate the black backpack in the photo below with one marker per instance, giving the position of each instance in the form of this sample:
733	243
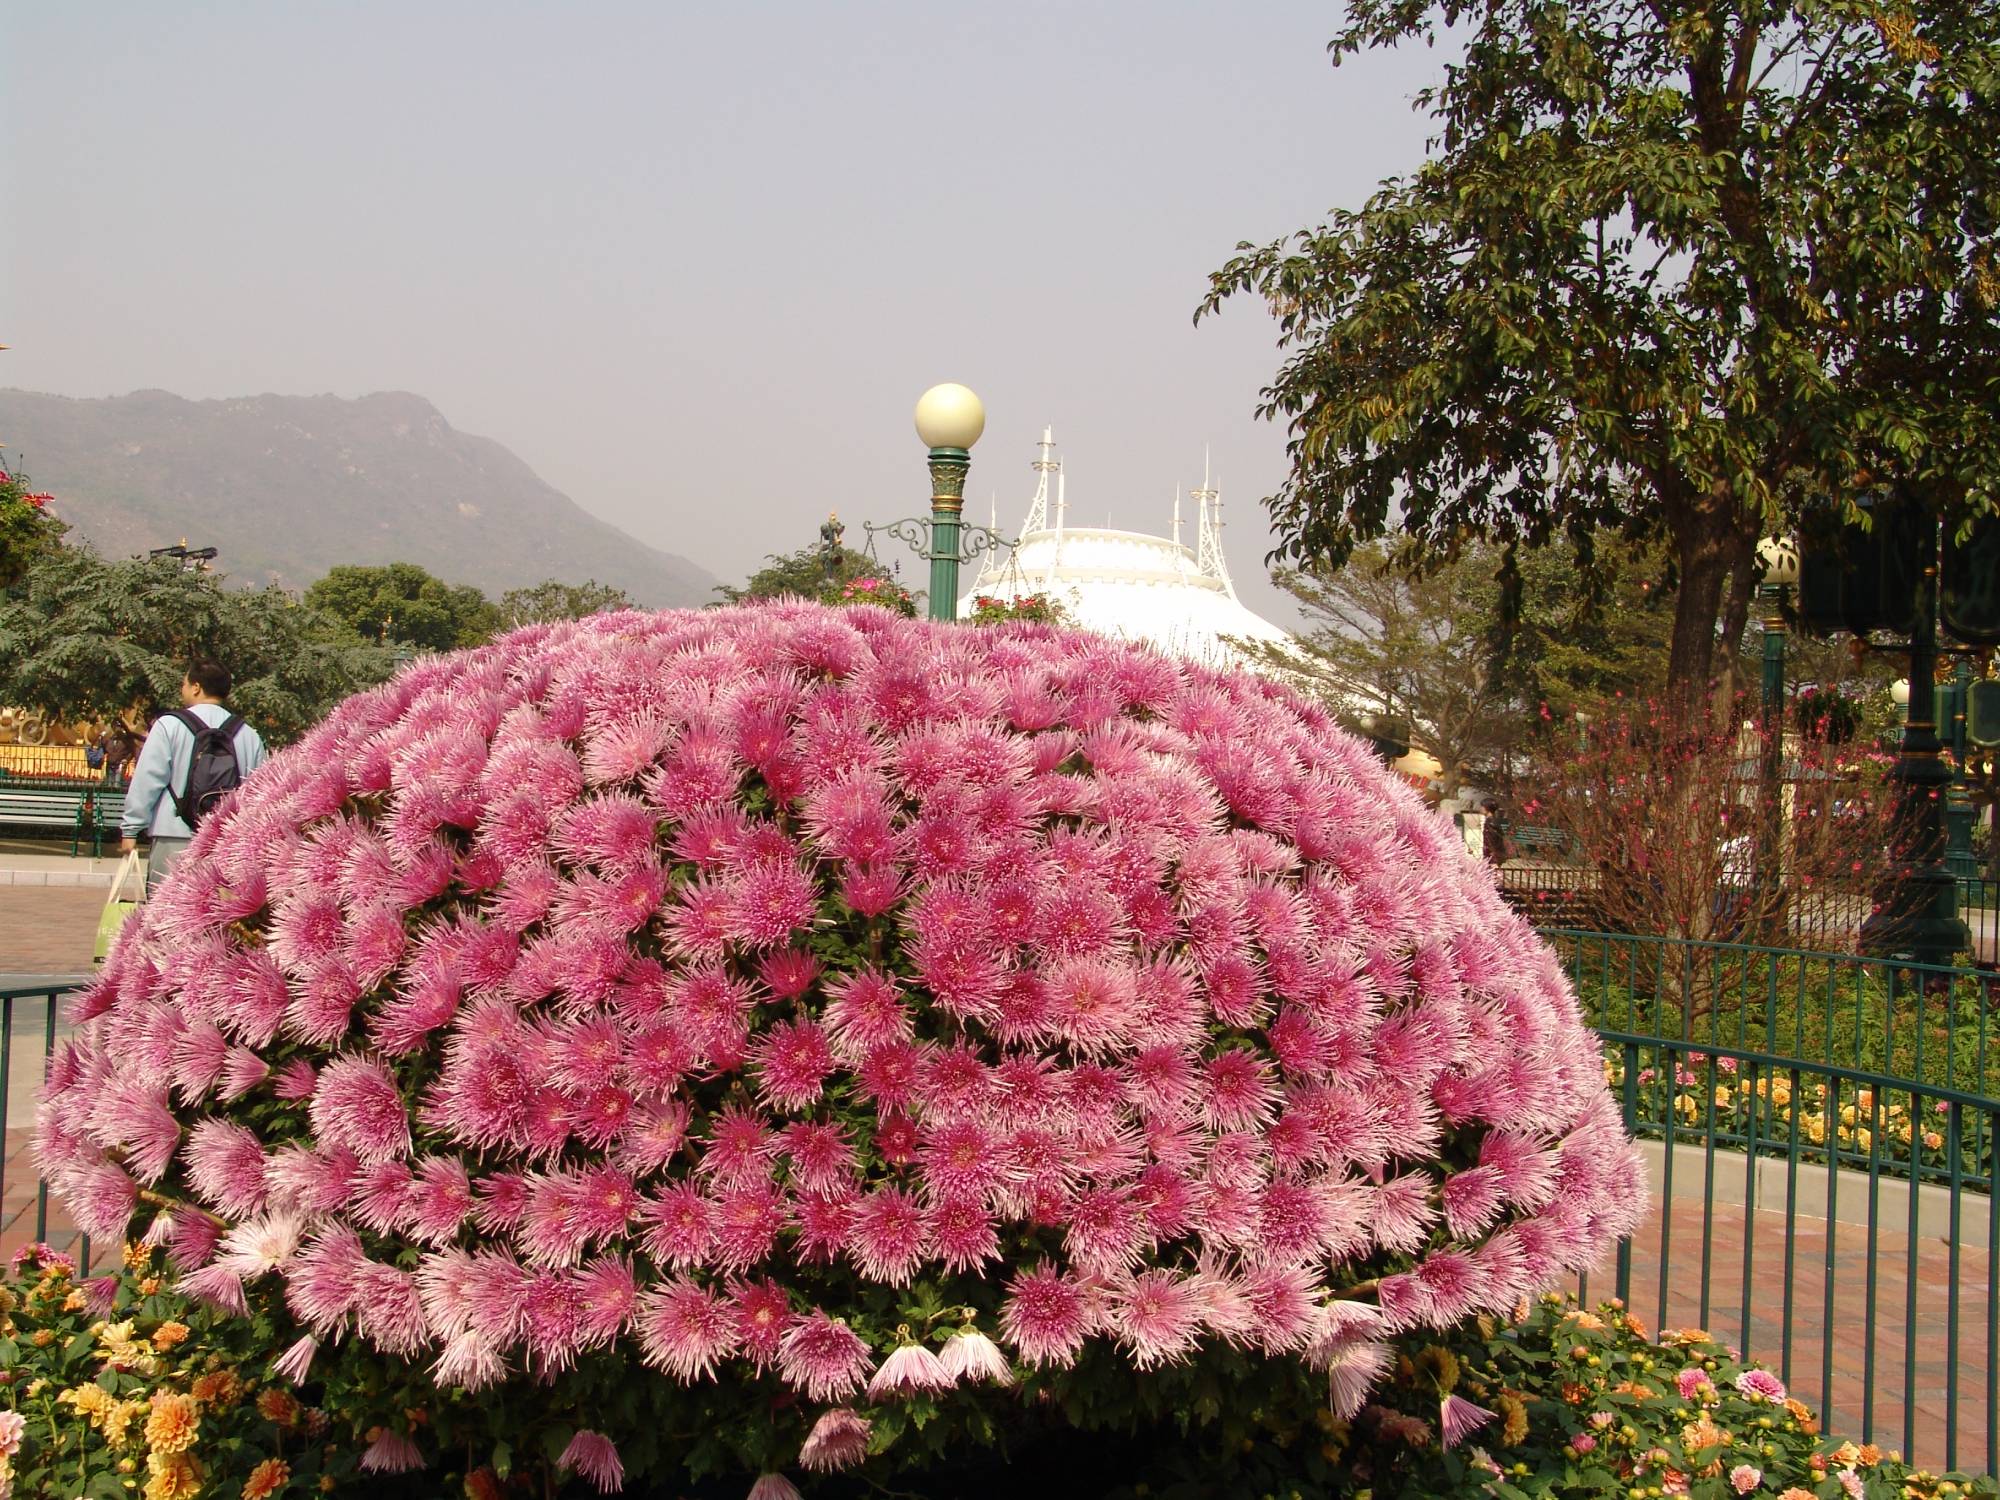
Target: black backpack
212	770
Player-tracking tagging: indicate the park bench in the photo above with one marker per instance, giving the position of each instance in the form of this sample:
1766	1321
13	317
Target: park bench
87	812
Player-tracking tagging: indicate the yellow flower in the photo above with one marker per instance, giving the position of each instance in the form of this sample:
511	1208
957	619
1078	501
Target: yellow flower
1932	1140
137	1256
175	1476
1781	1094
1702	1433
90	1401
174	1422
1514	1418
119	1420
75	1301
169	1334
1864	1139
266	1479
150	1287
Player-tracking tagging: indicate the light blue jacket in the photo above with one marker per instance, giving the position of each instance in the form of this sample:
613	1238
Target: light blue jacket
163	765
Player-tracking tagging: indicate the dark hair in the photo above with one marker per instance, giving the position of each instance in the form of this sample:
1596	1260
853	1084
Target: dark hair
211	677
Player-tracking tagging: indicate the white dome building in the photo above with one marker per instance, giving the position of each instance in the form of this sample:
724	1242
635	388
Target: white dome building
1126	583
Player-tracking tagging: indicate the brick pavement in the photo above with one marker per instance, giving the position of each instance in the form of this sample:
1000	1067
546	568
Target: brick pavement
48	929
1892	1389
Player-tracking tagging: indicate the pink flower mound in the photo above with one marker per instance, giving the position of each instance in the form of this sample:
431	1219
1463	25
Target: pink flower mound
647	977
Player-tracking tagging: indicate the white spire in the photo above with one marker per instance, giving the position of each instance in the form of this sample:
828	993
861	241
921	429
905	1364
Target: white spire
1209	558
1046	463
1177	515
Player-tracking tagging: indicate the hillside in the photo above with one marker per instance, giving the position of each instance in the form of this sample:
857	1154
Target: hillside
288	486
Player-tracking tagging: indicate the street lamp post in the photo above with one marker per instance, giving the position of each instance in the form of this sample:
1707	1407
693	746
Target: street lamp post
1959	859
950	419
1780	559
1916	906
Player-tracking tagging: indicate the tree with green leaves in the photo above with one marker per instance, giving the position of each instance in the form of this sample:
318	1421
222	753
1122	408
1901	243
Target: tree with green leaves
550	600
85	639
1676	267
1474	675
403	603
27	528
809	573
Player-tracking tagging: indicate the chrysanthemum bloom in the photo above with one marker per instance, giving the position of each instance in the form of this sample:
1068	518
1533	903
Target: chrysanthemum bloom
595	1457
838	1440
636	986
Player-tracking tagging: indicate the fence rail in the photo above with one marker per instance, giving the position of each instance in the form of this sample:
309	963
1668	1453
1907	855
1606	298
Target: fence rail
1820	1129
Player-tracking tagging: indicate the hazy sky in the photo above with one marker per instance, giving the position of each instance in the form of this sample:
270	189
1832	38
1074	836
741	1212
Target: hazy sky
695	264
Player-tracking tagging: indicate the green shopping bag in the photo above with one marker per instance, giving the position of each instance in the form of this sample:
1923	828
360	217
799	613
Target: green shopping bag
118	905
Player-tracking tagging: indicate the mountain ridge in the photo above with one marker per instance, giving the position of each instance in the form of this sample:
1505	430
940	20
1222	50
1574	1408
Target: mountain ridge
378	478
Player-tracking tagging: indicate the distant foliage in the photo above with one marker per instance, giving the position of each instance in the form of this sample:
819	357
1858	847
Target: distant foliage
544	603
402	603
82	638
804	1035
1686	838
811	573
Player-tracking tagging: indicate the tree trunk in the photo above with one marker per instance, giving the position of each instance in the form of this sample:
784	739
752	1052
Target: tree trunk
1702	551
1736	606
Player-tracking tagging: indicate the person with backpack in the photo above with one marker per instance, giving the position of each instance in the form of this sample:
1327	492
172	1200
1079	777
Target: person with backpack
192	758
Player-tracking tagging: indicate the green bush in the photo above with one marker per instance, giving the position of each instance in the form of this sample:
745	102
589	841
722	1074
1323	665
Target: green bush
1581	1402
115	1385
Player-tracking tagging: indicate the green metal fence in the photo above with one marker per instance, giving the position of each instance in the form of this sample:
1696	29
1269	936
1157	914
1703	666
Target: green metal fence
29	1022
1820	1130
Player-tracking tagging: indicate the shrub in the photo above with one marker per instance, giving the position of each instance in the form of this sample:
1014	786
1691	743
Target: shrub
115	1385
987	610
893	1036
1584	1404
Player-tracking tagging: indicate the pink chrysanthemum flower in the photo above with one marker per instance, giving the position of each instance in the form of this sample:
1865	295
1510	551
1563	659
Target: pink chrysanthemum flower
594	1457
792	1061
761	1312
886	1235
838	1440
822	1357
1047	1317
357	1105
225	1164
769	903
392	1453
910	1370
820	1153
685	1330
1156	1316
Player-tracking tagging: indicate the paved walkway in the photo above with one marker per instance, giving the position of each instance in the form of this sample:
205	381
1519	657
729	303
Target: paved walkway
48	929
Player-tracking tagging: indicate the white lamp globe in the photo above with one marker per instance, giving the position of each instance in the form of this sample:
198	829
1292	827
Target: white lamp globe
949	416
1899	692
1780	556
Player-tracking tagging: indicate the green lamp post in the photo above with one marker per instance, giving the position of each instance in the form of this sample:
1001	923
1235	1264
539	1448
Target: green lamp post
1958	810
950	419
1916	908
1779	558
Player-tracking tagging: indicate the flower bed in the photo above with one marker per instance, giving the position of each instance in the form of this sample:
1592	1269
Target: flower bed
721	1042
114	1385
